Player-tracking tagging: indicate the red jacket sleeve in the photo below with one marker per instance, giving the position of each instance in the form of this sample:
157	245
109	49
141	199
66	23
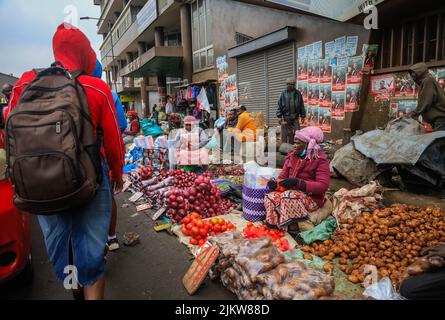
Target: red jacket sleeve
102	105
285	172
322	179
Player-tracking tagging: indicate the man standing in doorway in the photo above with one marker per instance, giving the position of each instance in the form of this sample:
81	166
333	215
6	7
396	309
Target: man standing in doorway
290	110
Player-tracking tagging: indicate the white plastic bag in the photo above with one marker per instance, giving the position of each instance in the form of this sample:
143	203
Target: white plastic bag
383	290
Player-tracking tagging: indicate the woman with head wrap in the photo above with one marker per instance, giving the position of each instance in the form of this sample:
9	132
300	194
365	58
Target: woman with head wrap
191	142
303	181
134	127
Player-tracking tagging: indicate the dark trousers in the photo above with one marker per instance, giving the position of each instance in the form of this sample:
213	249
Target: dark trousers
439	126
426	286
288	131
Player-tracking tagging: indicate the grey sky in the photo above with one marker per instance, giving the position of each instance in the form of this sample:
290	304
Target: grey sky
27	28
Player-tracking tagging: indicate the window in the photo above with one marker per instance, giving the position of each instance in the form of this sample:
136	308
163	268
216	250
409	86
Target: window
241	38
203	55
413	41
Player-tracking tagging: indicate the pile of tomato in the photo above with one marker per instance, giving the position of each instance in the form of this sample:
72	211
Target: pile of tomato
199	230
277	236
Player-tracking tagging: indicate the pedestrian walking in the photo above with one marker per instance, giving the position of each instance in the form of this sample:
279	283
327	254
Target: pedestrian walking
76	235
290	110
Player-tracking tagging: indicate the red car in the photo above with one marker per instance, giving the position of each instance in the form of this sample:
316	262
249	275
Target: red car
15	235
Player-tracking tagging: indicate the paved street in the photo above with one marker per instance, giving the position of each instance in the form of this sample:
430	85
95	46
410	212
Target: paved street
151	270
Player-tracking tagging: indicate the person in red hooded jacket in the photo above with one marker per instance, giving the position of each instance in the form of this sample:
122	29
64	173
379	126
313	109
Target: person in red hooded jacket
78	237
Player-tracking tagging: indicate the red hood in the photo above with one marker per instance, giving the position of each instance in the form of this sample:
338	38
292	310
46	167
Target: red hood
73	49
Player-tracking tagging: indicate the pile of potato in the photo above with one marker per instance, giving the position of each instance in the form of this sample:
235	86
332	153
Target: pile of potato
390	239
254	269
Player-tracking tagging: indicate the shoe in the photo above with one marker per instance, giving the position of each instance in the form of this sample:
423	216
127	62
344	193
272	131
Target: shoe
113	244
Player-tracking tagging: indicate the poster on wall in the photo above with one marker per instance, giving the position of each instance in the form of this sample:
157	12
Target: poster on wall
441	78
313	71
325	71
312	116
369	53
351	46
231	92
302	70
310	51
318	50
338	105
394	106
405	86
313	94
325	119
302	87
330	50
223	68
340	46
406	107
326	95
355	67
342	62
339	79
352	103
383	84
302	53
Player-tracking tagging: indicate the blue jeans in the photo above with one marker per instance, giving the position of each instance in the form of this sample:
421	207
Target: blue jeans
85	230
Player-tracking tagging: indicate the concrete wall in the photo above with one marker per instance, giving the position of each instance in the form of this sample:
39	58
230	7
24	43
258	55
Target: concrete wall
229	17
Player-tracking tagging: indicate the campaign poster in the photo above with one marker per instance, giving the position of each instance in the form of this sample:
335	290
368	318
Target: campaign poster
313	94
325	119
223	68
318	50
405	86
326	95
312	116
313	71
302	87
355	67
383	85
329	49
231	92
338	105
369	53
406	107
441	78
352	103
342	61
339	79
302	53
302	69
394	107
340	46
325	71
351	46
310	51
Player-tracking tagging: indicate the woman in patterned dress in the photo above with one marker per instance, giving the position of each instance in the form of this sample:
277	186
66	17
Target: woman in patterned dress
305	179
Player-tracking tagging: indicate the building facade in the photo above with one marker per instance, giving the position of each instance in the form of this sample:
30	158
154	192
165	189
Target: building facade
249	48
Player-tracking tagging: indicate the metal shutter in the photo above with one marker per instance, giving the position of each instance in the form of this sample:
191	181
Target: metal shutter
280	66
252	82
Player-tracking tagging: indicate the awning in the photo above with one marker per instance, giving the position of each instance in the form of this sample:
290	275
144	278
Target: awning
160	61
273	39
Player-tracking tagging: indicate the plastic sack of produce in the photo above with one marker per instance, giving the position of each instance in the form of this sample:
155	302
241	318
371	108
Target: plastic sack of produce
220	123
256	176
213	143
150	128
383	290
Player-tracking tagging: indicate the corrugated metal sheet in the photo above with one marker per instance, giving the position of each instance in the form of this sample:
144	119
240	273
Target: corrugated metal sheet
252	82
280	66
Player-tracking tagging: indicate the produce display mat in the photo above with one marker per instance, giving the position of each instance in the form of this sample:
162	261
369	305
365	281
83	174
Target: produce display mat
343	287
236	218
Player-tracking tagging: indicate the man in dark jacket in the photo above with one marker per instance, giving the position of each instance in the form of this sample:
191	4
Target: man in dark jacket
290	109
431	102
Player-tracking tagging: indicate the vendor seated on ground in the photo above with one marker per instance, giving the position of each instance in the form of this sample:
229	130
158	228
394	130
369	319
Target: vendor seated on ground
190	143
232	119
133	128
428	285
245	129
302	184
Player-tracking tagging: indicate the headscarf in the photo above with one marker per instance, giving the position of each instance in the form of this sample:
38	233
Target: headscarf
313	136
132	114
